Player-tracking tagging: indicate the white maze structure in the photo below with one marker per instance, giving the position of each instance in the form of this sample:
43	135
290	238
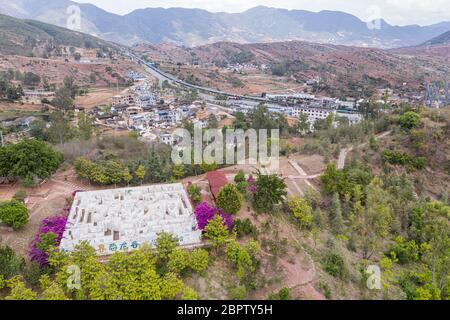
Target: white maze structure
125	219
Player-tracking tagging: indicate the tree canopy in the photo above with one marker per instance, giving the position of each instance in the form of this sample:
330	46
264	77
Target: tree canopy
29	159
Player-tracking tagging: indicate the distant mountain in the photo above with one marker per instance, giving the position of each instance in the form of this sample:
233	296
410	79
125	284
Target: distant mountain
193	27
443	39
438	47
30	37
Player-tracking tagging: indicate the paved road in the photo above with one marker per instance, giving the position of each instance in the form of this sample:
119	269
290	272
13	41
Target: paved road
162	76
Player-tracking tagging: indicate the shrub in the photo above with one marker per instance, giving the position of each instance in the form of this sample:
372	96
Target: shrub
14	214
10	263
216	231
229	199
242	187
410	120
20	195
405	251
198	260
240	177
194	192
244	228
238	293
50	235
284	294
403	159
302	211
334	265
325	289
418	286
204	213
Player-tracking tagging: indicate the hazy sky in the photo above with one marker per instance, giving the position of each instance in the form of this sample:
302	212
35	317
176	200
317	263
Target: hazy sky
398	12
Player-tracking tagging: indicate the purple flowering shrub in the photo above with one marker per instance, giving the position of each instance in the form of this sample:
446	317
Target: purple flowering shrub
204	213
251	184
55	225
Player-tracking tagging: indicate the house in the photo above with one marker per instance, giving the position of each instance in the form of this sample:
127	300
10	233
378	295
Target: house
119	100
166	138
216	180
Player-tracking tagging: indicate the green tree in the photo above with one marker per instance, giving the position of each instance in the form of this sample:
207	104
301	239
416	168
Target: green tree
198	260
178	261
54	292
178	171
410	120
18	290
60	130
165	245
140	173
29	159
373	222
336	220
302	211
114	172
10	263
229	199
270	191
85	124
243	257
330	178
126	175
240	121
216	232
63	99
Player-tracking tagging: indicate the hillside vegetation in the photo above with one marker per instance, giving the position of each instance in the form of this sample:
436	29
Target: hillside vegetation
32	38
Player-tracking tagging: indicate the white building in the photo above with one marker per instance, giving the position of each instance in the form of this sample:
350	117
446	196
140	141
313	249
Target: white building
167	138
314	114
125	219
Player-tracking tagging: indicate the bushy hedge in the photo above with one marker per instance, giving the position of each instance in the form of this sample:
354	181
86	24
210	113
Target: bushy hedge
14	214
403	159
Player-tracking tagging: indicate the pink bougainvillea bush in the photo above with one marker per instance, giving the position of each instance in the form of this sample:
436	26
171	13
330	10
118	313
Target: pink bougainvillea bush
204	213
55	225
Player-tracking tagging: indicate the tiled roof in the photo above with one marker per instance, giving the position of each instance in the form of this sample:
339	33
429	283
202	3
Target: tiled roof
216	180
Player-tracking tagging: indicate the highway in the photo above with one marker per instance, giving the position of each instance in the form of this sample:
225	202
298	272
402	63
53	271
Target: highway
172	79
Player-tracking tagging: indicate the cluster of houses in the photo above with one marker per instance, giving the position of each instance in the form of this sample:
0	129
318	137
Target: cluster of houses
143	110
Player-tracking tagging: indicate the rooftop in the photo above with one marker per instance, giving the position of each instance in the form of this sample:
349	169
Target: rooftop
124	219
216	180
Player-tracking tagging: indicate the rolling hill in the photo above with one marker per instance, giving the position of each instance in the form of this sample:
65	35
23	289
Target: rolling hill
193	27
343	69
436	47
30	37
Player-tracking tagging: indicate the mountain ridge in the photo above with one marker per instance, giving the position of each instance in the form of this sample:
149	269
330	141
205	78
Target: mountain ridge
192	27
30	37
